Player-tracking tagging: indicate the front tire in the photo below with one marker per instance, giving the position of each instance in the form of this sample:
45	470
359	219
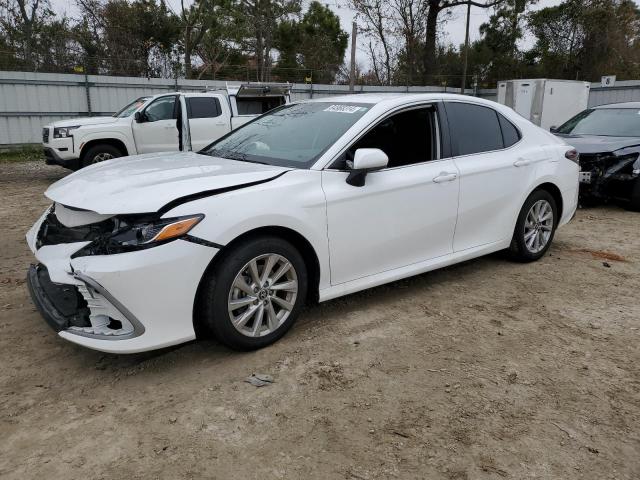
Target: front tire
254	295
100	153
535	227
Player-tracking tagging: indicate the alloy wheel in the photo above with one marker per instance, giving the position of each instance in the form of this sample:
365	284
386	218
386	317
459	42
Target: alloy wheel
262	295
538	226
101	157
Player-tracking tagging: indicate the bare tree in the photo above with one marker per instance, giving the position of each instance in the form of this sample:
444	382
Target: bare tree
411	25
434	8
376	21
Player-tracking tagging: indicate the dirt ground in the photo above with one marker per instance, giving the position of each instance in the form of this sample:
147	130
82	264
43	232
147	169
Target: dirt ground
488	369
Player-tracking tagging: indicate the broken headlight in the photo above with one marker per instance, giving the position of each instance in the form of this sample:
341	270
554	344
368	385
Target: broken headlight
140	234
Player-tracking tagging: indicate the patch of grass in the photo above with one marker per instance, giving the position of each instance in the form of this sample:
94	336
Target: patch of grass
23	154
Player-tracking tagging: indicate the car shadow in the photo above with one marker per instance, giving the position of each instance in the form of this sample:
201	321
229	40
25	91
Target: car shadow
328	313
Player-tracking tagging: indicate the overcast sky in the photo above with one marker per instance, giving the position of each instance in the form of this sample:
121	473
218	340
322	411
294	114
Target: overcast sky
454	29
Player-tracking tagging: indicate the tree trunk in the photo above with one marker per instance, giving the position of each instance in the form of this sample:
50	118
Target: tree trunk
429	58
187	52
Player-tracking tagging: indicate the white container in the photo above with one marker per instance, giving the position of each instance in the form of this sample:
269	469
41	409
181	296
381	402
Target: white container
545	102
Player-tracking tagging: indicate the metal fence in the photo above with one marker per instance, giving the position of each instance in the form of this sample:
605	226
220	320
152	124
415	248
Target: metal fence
30	100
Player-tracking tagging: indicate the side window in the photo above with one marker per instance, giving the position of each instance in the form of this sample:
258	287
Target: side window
161	109
203	107
474	128
510	133
407	137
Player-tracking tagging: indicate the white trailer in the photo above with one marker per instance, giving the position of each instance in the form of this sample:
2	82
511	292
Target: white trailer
545	102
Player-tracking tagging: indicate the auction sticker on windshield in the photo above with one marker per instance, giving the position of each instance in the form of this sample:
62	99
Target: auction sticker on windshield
343	108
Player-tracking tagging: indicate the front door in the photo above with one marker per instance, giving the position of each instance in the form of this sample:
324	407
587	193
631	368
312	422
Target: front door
405	213
158	131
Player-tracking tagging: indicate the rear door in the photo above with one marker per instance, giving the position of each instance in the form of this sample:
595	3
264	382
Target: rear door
405	213
495	169
158	132
209	119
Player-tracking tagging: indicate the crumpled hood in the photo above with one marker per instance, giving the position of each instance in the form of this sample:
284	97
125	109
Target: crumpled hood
588	144
81	121
146	183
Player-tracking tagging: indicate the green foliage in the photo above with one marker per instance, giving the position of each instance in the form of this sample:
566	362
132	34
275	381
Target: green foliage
586	39
277	40
23	154
316	43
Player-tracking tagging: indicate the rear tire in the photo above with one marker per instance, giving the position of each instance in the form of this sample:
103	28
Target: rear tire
535	227
634	201
100	153
245	314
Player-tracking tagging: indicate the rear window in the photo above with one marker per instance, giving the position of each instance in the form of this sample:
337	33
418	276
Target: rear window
257	105
474	128
203	107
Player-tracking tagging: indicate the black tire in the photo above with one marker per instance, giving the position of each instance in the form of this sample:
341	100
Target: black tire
94	153
212	309
634	201
518	250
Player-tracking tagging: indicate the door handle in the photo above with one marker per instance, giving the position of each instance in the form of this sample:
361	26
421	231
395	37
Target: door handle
521	162
445	177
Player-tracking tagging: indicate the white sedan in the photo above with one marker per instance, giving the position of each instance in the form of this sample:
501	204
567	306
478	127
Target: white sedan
309	202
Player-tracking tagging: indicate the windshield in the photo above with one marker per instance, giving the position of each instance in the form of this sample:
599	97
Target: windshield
608	122
291	136
131	108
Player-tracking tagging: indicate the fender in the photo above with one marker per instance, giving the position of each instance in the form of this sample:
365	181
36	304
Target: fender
236	212
125	137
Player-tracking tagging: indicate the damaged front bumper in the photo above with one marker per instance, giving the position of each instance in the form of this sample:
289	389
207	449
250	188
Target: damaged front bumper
119	303
86	309
608	176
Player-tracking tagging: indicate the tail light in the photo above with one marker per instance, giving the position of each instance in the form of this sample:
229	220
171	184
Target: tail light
572	155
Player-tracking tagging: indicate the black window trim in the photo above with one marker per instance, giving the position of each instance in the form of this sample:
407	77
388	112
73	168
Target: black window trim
402	108
454	145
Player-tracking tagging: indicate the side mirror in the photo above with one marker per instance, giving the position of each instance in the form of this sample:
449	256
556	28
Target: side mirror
553	129
139	117
365	160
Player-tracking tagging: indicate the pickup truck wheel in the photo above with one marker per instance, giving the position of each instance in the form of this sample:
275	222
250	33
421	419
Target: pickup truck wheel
535	227
254	295
100	153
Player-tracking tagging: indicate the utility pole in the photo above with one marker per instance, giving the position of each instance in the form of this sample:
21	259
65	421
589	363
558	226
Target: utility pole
352	74
466	50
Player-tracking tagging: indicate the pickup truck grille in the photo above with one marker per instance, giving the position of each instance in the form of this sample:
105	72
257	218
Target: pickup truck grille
45	135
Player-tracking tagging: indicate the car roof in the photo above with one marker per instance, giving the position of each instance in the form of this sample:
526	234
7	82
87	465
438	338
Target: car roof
399	98
631	105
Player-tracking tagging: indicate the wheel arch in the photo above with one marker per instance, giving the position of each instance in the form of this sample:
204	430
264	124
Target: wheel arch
114	142
555	192
298	240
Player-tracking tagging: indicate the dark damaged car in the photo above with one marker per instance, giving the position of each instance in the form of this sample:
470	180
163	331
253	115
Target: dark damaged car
608	141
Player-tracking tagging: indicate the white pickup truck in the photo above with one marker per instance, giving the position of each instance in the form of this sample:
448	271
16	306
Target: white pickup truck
159	123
